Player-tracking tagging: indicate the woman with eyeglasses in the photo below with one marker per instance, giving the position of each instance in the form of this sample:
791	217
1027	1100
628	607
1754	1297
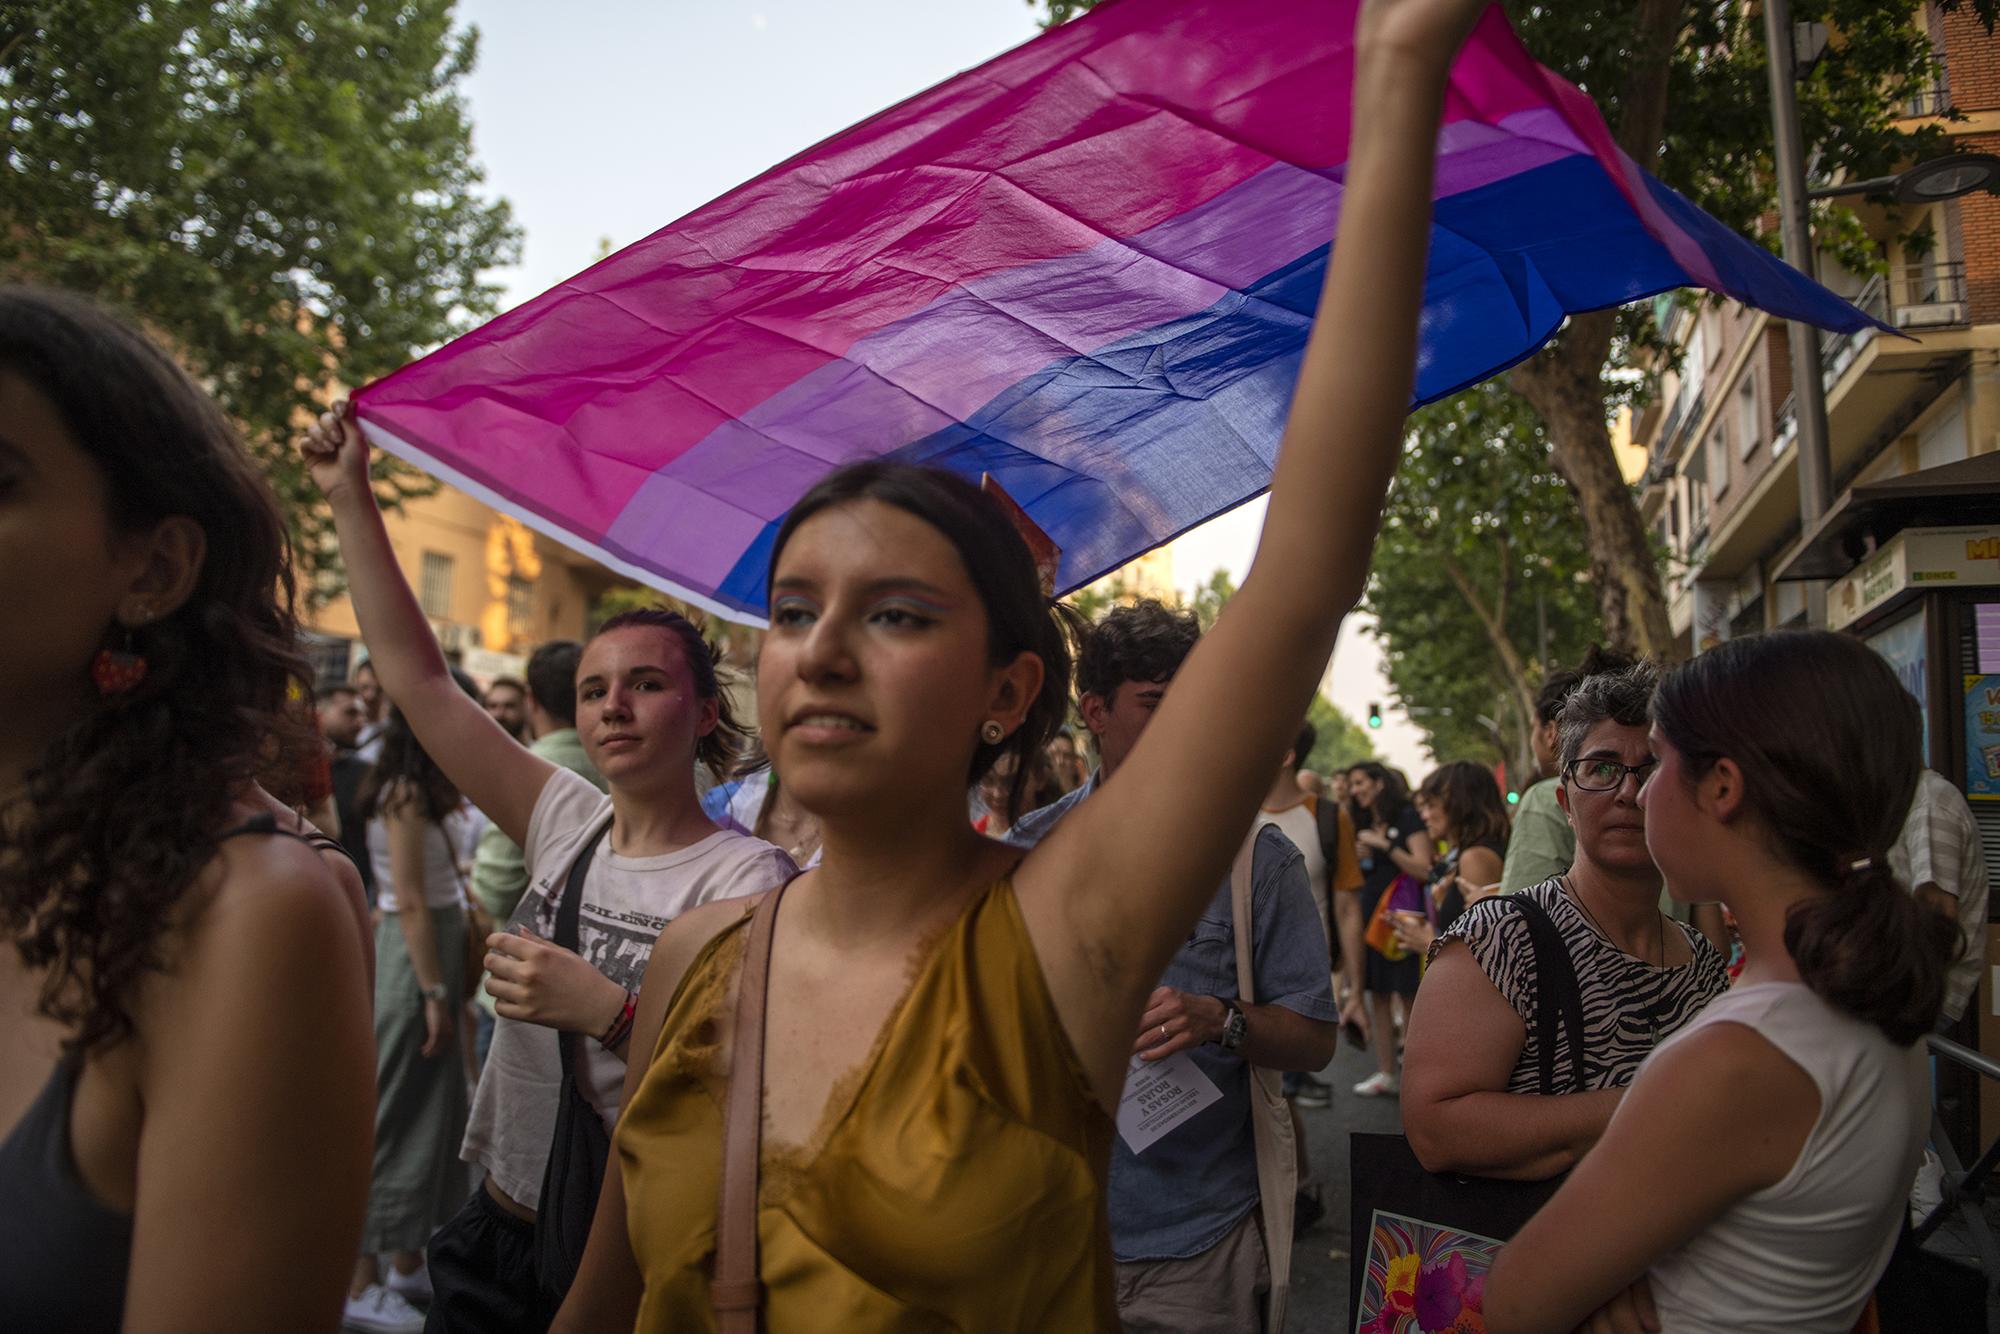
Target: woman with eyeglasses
1472	1065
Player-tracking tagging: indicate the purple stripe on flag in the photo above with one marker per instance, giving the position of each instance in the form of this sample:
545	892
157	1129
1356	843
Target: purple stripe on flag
891	387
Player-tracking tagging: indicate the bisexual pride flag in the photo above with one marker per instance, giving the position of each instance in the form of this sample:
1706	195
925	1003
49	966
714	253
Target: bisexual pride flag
1087	267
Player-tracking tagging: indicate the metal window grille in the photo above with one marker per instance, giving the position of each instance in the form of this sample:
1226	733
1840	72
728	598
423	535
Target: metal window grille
434	587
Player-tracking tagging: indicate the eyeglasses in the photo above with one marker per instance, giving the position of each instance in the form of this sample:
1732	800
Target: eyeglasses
1607	775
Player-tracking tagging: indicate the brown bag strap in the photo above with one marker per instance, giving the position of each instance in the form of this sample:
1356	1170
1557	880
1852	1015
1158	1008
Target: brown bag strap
1239	911
735	1292
1270	1118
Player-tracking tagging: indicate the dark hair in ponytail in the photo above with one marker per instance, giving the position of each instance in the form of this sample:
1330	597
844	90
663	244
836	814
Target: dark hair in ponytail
1019	619
1828	743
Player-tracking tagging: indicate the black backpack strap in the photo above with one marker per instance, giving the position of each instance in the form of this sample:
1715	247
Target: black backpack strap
1558	995
568	913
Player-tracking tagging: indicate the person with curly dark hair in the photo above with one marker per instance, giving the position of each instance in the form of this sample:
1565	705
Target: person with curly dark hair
416	821
649	707
187	1082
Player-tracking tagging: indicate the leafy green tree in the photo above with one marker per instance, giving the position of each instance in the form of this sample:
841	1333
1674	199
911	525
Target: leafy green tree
1478	583
1684	88
283	190
1208	598
1338	740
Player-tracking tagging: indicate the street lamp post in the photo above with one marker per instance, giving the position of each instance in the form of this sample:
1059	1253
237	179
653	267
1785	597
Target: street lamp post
1808	389
1939	178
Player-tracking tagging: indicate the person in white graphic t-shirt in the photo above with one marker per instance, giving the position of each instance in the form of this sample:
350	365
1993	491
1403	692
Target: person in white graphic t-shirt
649	708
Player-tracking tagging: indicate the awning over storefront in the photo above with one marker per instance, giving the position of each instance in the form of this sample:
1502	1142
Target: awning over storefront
1868	516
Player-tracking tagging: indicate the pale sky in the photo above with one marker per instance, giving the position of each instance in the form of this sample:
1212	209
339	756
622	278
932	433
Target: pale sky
609	119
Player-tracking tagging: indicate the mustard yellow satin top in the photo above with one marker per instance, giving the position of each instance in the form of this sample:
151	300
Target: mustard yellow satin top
957	1182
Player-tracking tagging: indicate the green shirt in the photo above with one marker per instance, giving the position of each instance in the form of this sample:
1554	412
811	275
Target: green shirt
1542	844
499	873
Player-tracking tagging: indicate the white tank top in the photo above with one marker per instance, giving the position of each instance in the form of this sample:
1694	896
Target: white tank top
441	879
1804	1255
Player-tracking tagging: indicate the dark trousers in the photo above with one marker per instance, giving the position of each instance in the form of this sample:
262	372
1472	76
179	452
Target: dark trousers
483	1278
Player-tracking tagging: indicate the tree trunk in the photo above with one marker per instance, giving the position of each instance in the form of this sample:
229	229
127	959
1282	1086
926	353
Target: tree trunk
1565	386
1564	383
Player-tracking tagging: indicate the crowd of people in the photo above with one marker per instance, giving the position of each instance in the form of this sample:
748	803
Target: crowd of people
576	1004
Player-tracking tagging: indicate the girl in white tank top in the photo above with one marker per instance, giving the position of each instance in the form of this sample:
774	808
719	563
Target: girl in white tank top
1754	1177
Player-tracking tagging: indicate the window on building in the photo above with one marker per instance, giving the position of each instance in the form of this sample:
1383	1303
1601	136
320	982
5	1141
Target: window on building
434	586
1718	459
1697	491
520	606
329	656
1694	365
1749	424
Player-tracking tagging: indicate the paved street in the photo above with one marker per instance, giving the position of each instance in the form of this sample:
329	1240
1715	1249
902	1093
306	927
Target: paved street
1319	1257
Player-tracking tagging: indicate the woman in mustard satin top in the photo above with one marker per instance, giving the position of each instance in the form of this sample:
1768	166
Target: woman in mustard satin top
948	1022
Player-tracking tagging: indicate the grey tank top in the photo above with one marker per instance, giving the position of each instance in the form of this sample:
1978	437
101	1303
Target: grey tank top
63	1254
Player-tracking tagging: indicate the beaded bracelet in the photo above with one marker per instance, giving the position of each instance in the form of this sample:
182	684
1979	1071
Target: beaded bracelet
621	1027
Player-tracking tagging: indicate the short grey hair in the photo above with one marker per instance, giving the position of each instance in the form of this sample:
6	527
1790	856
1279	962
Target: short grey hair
1624	696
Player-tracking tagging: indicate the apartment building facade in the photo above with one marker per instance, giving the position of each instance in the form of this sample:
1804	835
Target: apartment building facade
492	588
1721	486
1909	549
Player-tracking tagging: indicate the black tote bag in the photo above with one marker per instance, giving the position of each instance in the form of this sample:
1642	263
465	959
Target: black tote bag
1444	1221
580	1147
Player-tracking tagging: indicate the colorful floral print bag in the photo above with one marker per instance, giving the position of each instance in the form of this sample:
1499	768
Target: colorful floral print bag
1424	1241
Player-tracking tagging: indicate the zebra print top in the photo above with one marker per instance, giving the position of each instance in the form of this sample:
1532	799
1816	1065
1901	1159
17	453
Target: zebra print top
1629	1006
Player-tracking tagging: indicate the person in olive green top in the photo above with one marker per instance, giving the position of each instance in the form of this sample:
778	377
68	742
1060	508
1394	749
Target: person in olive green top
1543	845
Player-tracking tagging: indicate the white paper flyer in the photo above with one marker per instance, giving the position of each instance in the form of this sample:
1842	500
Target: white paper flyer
1160	1095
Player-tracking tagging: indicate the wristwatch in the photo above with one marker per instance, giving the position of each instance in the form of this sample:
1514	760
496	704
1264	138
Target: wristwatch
437	993
1234	1026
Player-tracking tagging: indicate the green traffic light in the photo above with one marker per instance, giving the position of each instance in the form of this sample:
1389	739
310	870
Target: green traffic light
1513	798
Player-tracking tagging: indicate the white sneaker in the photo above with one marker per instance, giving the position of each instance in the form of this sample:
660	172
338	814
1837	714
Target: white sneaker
381	1311
1377	1085
415	1285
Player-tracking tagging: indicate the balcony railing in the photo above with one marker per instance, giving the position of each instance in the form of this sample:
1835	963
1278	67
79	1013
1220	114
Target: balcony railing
1929	296
1932	101
1914	297
1681	418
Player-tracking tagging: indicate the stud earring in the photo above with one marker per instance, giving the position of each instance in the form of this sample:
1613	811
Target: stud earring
991	732
116	671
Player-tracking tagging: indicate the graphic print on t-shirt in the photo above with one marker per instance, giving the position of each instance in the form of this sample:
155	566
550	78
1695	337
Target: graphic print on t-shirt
617	944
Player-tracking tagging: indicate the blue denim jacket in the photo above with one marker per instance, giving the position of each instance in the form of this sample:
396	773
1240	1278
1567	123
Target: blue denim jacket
1188	1190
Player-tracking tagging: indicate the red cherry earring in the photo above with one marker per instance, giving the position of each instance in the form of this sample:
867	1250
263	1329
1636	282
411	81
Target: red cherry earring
116	671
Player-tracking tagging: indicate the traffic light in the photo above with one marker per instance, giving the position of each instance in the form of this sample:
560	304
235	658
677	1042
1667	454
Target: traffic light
1513	798
1374	715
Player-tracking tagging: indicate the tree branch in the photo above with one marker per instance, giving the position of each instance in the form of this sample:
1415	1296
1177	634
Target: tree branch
1505	655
